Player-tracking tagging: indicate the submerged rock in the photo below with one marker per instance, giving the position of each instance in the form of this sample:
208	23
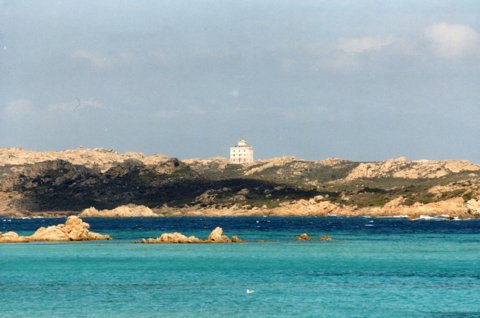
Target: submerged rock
303	237
74	229
325	238
216	236
172	238
236	239
12	237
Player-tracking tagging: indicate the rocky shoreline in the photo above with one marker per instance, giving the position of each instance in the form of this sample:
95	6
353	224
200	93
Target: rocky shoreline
453	208
103	183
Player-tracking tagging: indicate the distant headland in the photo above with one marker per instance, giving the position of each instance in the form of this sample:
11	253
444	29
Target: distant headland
103	183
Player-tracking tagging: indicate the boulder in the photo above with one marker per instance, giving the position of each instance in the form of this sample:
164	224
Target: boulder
303	237
473	206
216	236
11	237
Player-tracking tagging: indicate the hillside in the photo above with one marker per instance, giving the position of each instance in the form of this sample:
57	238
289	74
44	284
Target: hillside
67	182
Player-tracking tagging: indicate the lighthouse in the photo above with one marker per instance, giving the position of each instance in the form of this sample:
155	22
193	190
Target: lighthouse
241	153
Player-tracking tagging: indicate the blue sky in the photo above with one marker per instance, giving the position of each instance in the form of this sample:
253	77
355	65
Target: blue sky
361	80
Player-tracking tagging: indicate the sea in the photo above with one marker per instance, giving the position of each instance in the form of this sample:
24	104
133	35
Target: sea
373	267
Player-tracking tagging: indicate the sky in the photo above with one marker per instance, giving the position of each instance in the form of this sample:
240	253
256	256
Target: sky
359	80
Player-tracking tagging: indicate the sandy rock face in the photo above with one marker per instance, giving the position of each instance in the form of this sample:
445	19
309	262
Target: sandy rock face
12	237
102	158
216	236
123	211
309	208
74	229
203	165
453	206
402	168
261	165
473	206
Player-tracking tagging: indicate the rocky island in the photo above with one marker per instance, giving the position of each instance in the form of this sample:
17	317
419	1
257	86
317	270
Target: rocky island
74	229
103	183
216	236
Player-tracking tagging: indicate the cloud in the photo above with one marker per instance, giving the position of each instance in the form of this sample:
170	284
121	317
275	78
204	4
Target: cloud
361	45
19	108
180	112
344	55
78	104
452	40
340	63
160	57
94	58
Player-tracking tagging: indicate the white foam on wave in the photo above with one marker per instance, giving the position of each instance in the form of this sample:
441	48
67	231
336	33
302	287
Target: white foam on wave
434	218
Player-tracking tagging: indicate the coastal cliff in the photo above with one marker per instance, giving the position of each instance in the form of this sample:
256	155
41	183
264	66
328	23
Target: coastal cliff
103	183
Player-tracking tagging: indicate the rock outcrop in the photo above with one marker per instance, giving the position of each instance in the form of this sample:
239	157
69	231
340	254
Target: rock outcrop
208	165
473	207
259	166
123	211
402	168
453	207
172	238
312	207
325	238
303	237
74	229
216	236
96	157
236	239
12	237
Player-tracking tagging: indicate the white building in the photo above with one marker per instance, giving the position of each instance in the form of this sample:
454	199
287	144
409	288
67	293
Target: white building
241	153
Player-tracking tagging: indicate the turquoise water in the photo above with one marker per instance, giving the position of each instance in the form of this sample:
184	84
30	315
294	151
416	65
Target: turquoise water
372	268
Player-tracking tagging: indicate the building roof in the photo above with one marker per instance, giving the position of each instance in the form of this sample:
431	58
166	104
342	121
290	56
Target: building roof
242	143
